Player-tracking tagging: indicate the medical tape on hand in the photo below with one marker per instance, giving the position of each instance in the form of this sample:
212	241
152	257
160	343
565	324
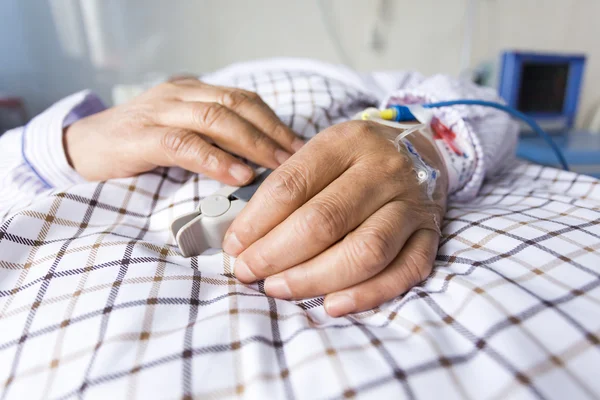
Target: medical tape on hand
426	174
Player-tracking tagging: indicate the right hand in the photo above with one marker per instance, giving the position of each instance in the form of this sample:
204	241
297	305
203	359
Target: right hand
181	123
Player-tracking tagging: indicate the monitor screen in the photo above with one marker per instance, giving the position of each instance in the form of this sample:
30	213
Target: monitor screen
543	87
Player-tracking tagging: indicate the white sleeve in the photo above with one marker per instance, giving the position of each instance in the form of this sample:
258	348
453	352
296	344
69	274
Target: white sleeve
32	158
485	138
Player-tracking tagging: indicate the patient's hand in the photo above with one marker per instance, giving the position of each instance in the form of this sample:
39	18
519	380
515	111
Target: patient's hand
177	124
344	217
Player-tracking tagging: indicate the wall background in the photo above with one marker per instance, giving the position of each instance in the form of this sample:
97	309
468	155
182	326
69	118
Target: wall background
51	48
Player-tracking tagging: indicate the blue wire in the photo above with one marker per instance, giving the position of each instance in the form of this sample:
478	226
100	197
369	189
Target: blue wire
515	113
404	114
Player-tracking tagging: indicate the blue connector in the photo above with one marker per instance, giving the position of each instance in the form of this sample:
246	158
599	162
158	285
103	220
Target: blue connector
402	114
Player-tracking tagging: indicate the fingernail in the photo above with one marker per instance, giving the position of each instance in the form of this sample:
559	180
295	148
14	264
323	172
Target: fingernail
241	173
276	286
242	272
232	245
297	144
340	304
281	156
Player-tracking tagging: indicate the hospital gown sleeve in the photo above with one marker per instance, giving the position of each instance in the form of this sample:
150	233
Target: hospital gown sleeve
32	158
483	140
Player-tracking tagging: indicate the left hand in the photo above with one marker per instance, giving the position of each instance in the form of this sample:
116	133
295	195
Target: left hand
184	123
344	217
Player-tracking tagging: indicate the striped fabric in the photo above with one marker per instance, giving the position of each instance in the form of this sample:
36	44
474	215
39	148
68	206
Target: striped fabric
96	301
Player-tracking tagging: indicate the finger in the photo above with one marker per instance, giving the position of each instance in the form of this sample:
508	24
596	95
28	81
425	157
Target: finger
248	105
285	190
362	254
411	267
318	224
225	128
186	149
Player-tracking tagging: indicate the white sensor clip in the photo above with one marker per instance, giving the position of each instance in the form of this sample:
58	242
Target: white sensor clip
205	228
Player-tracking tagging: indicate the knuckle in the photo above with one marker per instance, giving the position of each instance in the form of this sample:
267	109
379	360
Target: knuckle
175	141
395	164
183	144
288	185
165	88
357	128
235	98
323	222
370	252
244	230
259	141
417	266
207	159
251	95
280	131
139	114
393	170
353	134
260	266
208	115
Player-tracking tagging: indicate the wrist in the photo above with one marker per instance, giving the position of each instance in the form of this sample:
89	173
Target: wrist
66	146
71	136
76	147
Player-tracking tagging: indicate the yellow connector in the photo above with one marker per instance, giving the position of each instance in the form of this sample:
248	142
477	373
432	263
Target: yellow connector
388	114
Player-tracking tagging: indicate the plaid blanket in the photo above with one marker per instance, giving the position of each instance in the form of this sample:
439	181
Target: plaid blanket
104	306
512	309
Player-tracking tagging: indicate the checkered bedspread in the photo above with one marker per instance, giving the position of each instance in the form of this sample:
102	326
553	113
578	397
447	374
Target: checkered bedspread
103	306
512	309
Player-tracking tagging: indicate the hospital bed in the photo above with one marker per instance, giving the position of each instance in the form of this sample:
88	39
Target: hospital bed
511	310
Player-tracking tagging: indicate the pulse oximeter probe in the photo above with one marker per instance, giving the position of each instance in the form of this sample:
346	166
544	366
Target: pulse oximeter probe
205	227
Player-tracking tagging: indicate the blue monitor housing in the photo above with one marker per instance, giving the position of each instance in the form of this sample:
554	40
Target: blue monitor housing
544	86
